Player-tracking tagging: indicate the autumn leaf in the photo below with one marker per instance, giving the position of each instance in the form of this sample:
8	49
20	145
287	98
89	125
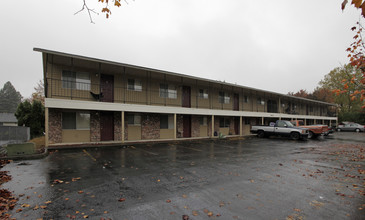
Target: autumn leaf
357	3
195	213
168	201
121	200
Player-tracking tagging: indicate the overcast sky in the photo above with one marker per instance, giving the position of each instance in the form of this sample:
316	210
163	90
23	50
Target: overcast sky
280	46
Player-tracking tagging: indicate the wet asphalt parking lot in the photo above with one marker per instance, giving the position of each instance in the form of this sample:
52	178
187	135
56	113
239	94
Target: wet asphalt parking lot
222	179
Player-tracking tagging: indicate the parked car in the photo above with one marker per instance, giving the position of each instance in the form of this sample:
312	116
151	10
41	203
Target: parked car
314	130
280	128
351	127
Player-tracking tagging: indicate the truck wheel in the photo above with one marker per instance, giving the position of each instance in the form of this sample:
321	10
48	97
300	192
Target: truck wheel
310	135
261	134
294	135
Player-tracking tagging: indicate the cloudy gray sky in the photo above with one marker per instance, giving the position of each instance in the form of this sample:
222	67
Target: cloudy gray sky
280	46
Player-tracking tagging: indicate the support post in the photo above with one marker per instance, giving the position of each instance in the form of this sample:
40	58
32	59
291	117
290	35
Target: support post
241	127
46	126
123	126
212	135
305	122
175	126
262	120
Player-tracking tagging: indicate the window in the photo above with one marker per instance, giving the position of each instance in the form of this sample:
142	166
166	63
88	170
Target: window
245	99
134	85
260	102
310	108
76	120
203	120
224	122
76	80
223	98
134	119
247	121
203	94
166	122
168	91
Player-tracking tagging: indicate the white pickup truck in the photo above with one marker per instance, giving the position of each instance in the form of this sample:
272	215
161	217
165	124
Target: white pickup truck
280	128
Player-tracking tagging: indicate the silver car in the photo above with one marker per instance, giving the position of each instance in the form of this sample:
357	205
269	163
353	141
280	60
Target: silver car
351	127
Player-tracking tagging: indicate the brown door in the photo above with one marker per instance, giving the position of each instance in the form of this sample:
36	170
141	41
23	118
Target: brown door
107	88
186	97
186	126
236	102
237	125
106	126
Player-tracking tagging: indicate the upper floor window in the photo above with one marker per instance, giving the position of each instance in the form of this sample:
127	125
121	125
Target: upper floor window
245	99
203	94
76	80
134	85
223	98
260	101
168	91
76	120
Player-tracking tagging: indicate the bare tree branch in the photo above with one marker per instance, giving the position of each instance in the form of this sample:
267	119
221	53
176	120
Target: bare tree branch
84	6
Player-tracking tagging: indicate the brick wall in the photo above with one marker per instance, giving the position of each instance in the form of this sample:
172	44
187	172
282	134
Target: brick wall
117	126
179	126
195	126
55	126
150	126
94	126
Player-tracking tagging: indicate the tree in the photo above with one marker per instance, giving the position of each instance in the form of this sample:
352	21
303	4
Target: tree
32	116
322	94
349	107
39	92
105	7
301	93
356	54
9	98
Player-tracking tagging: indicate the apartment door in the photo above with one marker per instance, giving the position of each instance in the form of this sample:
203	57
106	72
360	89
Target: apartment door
186	96
236	125
106	126
186	126
236	102
107	88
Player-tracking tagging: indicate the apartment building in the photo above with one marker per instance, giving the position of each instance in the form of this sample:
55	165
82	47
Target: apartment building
91	101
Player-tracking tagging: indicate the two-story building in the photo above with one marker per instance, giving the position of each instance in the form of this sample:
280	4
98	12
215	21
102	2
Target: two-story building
95	101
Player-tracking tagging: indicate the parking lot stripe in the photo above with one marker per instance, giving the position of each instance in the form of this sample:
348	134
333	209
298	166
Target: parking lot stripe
192	149
155	154
87	153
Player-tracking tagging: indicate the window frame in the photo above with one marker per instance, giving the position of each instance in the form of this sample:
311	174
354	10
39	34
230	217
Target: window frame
136	118
136	86
76	80
223	97
203	94
169	91
77	122
224	122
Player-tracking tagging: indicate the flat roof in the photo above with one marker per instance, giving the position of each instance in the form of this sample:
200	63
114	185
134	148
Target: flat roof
173	74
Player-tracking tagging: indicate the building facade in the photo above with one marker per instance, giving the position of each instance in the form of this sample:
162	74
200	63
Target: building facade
90	100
